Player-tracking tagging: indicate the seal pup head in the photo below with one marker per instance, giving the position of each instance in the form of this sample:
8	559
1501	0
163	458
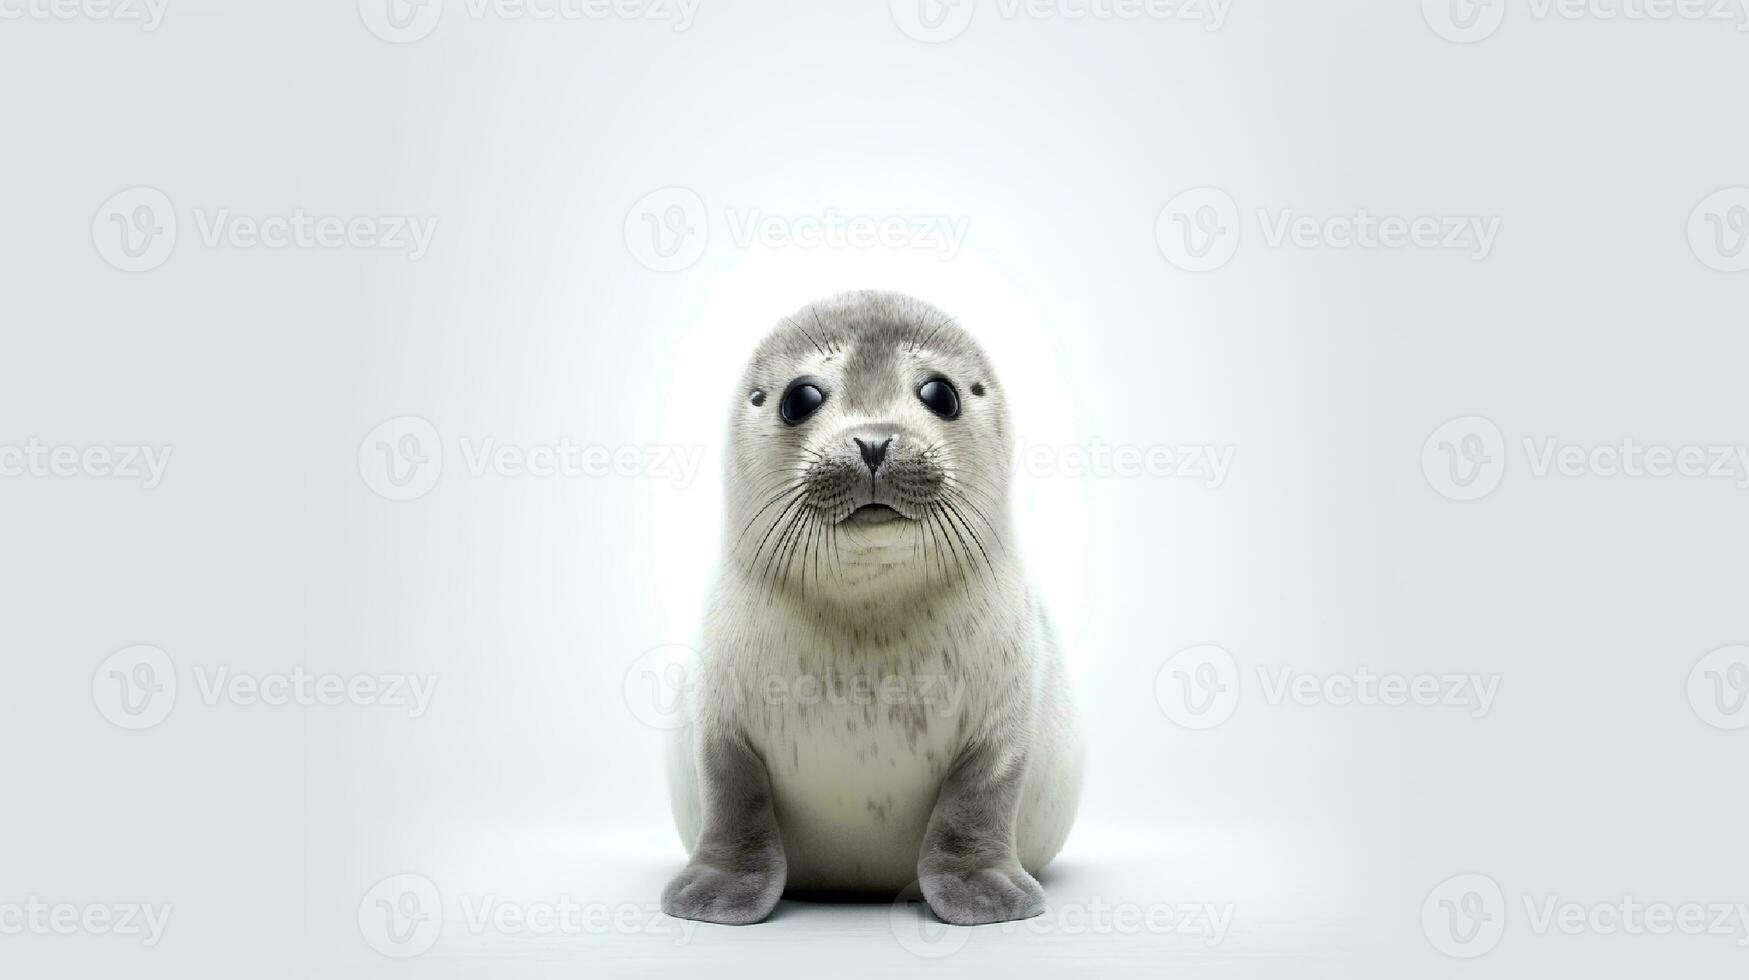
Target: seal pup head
868	453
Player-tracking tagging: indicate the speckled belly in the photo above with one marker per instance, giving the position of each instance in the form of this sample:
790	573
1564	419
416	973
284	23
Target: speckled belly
855	784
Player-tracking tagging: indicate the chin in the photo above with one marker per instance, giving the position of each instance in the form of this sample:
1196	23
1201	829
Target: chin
887	542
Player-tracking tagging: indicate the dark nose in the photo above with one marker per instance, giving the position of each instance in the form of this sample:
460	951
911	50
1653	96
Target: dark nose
873	452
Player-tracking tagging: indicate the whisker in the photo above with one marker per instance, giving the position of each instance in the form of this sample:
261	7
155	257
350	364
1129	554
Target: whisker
800	548
837	556
808	335
819	529
774	523
798	545
955	511
959	495
798	488
945	320
947	518
836	349
779	548
959	563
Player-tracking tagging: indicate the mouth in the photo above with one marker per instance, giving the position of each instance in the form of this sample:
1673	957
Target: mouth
871	514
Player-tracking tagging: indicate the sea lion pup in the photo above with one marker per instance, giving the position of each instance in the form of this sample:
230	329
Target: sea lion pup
880	700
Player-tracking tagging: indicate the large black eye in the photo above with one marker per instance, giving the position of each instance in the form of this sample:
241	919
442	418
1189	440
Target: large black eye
800	400
940	397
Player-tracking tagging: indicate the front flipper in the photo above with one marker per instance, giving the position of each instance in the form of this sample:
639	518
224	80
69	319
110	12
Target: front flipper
968	871
736	873
971	898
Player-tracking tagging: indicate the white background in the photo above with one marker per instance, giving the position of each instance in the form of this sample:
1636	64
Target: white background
535	316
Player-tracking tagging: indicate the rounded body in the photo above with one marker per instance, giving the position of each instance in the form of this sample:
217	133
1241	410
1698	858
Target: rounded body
858	734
